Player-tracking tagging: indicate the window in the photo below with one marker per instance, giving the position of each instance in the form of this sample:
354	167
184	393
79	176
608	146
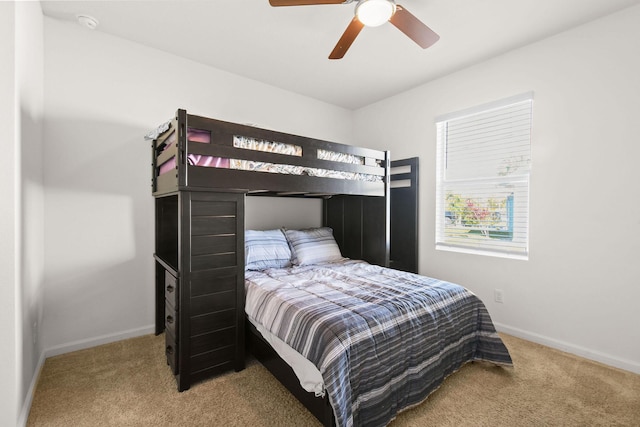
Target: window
482	184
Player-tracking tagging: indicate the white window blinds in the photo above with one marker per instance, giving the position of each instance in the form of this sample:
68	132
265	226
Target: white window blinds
483	164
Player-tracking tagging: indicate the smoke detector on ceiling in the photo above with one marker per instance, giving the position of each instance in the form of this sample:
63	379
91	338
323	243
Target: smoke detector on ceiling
87	21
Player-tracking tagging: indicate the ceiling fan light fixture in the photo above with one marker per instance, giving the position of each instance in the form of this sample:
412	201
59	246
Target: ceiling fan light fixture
373	13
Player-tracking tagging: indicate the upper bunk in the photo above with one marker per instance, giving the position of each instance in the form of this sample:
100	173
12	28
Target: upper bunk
196	153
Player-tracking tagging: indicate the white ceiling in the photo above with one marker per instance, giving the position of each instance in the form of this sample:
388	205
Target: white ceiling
288	47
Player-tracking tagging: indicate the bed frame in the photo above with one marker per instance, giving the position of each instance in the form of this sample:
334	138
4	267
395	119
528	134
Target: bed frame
199	249
194	178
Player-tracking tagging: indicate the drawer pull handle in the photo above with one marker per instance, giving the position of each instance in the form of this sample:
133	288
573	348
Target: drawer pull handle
169	288
169	350
169	319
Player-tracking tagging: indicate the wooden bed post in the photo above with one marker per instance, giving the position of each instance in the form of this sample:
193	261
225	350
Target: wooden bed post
404	215
182	153
387	208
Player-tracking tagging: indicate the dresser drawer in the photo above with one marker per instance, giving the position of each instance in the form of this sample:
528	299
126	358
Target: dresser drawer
171	351
170	319
212	341
213	321
213	358
213	302
171	288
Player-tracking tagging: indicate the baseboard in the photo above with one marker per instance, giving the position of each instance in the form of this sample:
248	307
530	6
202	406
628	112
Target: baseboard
96	341
606	359
26	405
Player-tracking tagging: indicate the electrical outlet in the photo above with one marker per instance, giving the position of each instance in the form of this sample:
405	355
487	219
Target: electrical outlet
498	296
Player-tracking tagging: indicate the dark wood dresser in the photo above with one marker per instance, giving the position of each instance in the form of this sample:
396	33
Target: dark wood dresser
200	283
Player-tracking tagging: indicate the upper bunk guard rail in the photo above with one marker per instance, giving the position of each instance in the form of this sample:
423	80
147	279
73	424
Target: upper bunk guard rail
174	145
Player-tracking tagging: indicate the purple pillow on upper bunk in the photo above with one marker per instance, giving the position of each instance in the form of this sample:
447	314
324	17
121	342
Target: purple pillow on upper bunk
266	249
313	246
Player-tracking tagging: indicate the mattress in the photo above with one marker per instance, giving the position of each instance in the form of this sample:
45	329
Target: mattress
382	340
309	376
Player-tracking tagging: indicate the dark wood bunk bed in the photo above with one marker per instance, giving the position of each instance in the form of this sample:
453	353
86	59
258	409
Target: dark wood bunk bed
200	238
199	254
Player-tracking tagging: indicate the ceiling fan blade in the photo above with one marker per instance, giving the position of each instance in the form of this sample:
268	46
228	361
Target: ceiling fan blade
347	39
303	2
413	27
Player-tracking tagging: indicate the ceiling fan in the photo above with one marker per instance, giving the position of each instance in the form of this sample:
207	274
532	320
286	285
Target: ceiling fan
372	13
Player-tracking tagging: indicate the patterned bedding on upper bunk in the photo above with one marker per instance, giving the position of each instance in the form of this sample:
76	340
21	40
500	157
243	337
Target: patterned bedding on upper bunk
382	339
246	143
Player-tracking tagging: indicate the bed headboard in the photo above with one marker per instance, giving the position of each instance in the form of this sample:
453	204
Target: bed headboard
360	226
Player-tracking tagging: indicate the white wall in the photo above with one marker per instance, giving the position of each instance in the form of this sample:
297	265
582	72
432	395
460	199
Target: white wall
265	213
30	87
21	210
9	217
102	95
580	287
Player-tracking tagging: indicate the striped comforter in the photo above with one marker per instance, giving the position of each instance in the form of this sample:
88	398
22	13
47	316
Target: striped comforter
382	339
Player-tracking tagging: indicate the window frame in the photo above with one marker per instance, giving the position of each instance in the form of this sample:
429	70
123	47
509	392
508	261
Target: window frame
506	194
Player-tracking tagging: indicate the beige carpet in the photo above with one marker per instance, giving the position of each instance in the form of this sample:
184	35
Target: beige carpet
129	384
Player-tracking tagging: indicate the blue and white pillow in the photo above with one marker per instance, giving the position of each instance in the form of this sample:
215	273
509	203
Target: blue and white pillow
266	249
313	246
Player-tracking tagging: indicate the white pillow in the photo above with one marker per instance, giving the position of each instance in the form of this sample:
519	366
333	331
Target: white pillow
313	246
266	249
